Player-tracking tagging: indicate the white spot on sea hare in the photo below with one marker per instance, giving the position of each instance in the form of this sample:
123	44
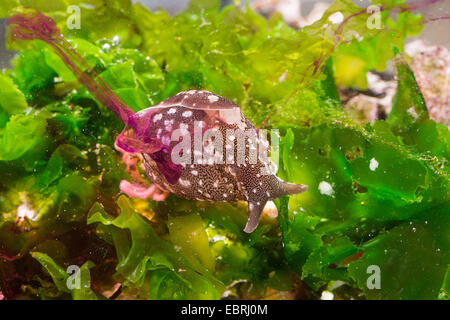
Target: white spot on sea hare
213	99
166	140
157	117
185	183
187	114
194	172
172	110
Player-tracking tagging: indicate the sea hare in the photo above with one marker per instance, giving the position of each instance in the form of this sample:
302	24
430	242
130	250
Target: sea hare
196	145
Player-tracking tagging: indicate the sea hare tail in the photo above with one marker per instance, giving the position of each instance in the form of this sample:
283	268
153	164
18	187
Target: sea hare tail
33	25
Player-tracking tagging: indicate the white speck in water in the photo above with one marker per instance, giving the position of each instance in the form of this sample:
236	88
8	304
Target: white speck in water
219	238
106	47
116	40
373	164
213	99
25	211
327	295
336	17
326	188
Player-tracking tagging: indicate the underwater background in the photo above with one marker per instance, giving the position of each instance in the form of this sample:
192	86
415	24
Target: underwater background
362	121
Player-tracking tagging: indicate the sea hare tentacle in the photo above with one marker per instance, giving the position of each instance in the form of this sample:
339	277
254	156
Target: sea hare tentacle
139	187
136	191
33	25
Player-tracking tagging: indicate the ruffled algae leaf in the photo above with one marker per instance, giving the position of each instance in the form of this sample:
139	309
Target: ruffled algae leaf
149	258
367	184
81	290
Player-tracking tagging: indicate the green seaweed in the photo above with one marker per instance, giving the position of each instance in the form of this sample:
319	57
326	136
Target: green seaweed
378	194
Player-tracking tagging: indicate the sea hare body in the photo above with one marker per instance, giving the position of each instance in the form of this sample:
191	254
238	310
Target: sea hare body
196	145
212	142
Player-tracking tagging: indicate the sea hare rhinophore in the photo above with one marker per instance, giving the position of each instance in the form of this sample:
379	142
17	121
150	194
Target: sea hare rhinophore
196	145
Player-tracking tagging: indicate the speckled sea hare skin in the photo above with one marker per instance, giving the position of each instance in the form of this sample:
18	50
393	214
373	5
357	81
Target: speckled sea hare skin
149	133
